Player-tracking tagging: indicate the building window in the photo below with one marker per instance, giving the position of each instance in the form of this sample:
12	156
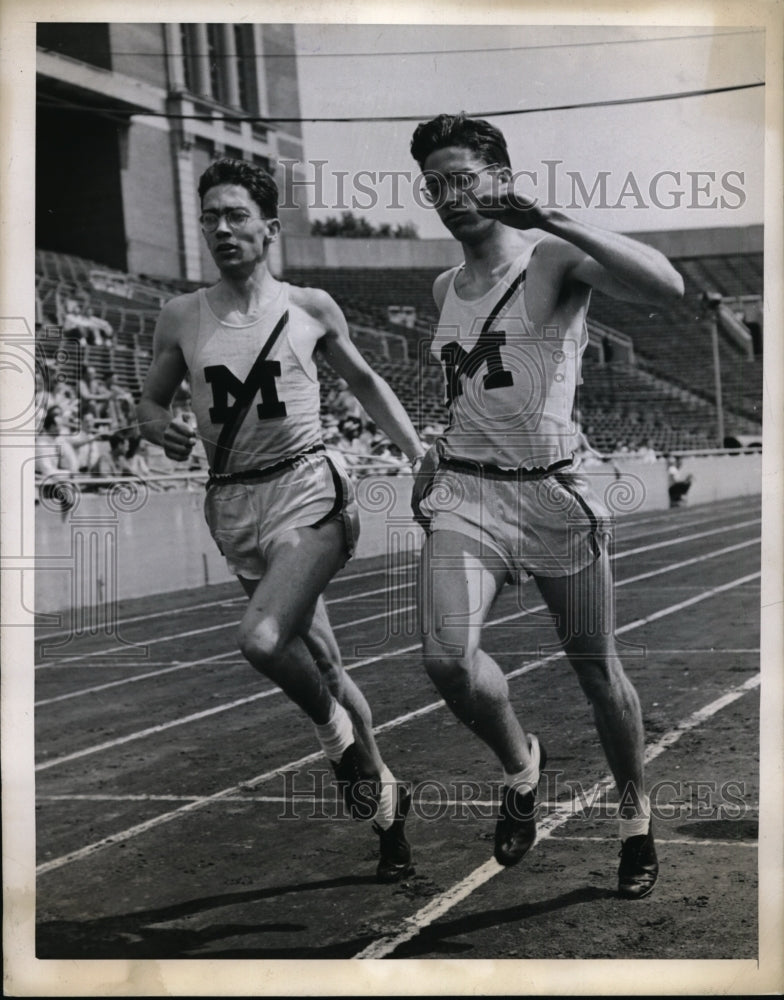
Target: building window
246	68
217	59
189	47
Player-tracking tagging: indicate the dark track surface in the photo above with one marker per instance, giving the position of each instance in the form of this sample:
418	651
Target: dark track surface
166	826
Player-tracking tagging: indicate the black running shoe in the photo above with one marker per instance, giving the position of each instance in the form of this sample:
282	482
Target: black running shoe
515	831
639	867
360	793
394	850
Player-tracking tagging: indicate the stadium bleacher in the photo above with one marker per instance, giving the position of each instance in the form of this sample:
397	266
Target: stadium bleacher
666	397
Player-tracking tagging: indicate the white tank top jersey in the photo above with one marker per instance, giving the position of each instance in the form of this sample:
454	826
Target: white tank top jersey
509	387
254	385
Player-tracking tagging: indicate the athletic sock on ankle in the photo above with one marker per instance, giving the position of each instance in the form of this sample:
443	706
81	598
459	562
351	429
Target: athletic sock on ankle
638	826
526	780
336	734
387	799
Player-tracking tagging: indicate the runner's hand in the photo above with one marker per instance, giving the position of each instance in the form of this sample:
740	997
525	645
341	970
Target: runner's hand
178	440
510	207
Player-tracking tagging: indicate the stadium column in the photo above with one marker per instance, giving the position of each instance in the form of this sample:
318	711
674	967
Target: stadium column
229	68
175	57
261	77
189	226
202	61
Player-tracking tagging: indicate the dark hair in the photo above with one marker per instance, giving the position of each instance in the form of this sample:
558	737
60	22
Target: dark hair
259	184
116	439
50	420
475	134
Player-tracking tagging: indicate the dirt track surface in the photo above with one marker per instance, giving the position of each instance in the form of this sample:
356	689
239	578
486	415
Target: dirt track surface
186	813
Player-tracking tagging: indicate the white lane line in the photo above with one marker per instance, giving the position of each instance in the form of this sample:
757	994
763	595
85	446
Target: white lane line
224	625
412	607
308	759
360	663
44	635
663	841
132	680
410	927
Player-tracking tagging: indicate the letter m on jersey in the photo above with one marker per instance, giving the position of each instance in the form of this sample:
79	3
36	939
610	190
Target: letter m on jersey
487	350
260	380
225	384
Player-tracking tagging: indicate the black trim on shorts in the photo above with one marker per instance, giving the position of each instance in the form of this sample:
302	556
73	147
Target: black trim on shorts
340	496
590	514
496	472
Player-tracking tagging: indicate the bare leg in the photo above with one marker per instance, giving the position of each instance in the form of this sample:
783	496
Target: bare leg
300	565
322	645
583	606
457	588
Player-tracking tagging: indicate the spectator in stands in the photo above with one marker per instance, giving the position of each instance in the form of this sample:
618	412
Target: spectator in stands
55	459
87	444
70	312
93	394
120	407
679	481
114	463
136	458
343	403
647	453
42	394
98	331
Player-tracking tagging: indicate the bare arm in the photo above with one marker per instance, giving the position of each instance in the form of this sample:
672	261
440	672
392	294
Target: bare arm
611	262
168	368
375	395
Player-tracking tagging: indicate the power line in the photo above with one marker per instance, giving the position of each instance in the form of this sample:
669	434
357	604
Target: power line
213	56
269	120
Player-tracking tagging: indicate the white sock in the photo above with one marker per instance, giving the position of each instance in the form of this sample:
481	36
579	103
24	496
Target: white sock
387	799
526	780
336	734
638	826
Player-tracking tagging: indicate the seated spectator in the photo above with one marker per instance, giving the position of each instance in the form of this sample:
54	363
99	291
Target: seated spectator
97	331
93	394
136	458
55	459
679	481
87	444
120	407
343	403
42	395
114	464
647	453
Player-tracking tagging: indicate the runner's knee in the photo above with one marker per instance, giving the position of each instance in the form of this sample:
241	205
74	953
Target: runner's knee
449	669
262	643
600	677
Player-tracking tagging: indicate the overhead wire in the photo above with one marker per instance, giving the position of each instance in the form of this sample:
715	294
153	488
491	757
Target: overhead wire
349	119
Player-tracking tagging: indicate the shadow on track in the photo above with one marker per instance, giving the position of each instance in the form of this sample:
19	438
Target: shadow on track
433	940
144	934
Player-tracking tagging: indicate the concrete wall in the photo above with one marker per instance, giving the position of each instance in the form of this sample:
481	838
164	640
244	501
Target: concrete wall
131	544
325	251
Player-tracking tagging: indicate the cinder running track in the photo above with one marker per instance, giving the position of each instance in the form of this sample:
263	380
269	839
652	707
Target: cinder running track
183	810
